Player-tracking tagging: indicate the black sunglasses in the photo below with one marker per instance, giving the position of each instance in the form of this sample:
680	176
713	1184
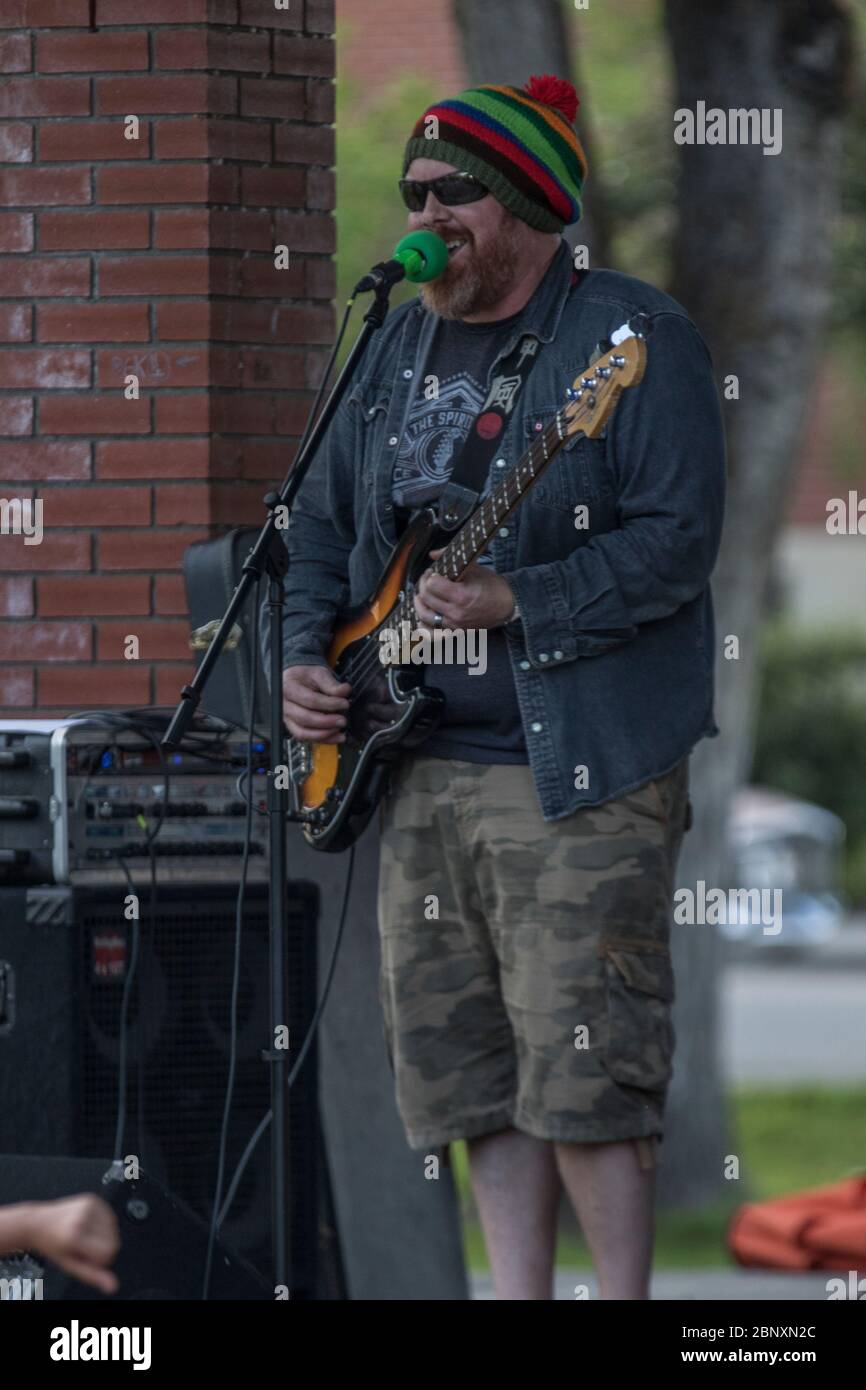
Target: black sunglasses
450	189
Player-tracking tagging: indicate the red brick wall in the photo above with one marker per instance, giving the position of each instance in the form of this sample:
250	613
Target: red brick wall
384	40
153	258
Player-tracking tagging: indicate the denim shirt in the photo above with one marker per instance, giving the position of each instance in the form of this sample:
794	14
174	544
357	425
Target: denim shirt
613	660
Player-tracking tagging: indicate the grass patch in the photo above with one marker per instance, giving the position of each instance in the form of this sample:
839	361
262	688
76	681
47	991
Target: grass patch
803	1137
789	1140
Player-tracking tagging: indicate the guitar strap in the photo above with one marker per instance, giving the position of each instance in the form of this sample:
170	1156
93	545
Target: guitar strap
471	468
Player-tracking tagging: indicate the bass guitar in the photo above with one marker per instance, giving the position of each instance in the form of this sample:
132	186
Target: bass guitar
335	787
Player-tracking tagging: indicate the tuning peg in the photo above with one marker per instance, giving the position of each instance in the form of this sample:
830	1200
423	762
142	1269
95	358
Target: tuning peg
572	394
603	346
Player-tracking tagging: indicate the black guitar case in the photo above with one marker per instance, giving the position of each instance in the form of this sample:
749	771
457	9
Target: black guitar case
212	571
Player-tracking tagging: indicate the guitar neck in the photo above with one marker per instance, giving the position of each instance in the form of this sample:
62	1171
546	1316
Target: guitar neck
475	535
591	400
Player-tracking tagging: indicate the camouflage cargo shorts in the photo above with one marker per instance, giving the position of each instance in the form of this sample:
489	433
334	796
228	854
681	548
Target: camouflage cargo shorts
525	974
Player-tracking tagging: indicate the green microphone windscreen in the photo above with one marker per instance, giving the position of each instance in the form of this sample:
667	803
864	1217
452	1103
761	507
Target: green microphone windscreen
424	255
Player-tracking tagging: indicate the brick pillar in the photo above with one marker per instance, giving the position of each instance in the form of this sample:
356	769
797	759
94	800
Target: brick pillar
151	258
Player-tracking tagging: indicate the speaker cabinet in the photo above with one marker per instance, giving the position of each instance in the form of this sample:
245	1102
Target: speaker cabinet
64	955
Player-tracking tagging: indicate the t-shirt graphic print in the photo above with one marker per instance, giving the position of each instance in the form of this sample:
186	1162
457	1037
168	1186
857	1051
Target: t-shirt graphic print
482	719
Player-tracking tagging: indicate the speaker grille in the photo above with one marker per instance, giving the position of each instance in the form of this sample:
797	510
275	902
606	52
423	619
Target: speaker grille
60	1092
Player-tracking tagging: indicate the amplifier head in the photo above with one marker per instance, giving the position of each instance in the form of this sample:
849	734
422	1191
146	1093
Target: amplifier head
80	797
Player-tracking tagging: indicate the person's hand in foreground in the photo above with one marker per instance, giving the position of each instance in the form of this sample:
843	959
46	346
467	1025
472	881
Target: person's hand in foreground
80	1234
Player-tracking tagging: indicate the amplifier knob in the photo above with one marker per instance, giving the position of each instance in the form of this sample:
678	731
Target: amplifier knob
18	807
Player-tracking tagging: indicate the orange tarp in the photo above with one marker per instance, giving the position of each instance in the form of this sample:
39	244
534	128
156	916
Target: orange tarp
824	1228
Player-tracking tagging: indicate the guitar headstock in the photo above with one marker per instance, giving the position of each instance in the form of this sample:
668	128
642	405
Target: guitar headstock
593	394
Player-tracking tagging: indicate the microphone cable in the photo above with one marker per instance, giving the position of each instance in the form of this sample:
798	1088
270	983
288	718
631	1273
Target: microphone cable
220	1213
305	1046
236	972
221	1208
128	721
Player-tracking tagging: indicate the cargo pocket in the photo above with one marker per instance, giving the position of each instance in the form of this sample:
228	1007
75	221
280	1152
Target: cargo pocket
640	991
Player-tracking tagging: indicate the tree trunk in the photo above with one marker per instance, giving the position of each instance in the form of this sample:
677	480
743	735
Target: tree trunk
752	263
509	40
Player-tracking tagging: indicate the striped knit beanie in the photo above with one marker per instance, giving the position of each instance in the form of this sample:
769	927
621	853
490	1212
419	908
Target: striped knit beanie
519	141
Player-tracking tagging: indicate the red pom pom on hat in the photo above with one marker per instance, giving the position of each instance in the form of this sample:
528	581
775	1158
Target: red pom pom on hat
557	92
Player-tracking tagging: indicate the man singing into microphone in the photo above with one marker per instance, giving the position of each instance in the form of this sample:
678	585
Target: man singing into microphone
529	846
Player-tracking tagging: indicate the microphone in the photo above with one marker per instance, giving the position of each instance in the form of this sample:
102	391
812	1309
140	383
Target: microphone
419	256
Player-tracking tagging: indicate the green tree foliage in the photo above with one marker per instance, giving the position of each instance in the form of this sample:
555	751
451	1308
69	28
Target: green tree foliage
811	733
371	217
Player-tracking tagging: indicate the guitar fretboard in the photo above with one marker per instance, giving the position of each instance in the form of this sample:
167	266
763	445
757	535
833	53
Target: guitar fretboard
475	535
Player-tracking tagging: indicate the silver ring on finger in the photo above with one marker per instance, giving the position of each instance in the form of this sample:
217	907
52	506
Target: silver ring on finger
438	620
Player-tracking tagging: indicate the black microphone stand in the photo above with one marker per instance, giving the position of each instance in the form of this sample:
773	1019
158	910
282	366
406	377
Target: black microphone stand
270	555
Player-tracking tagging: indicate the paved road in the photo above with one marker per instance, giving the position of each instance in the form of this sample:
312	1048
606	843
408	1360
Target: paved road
696	1284
798	1019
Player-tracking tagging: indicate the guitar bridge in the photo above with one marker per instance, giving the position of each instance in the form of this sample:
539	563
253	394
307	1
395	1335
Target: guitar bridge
300	761
300	767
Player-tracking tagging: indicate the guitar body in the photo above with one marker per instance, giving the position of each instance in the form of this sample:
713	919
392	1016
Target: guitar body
337	786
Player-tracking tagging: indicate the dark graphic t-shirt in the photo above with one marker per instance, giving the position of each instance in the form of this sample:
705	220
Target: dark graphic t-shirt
481	723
